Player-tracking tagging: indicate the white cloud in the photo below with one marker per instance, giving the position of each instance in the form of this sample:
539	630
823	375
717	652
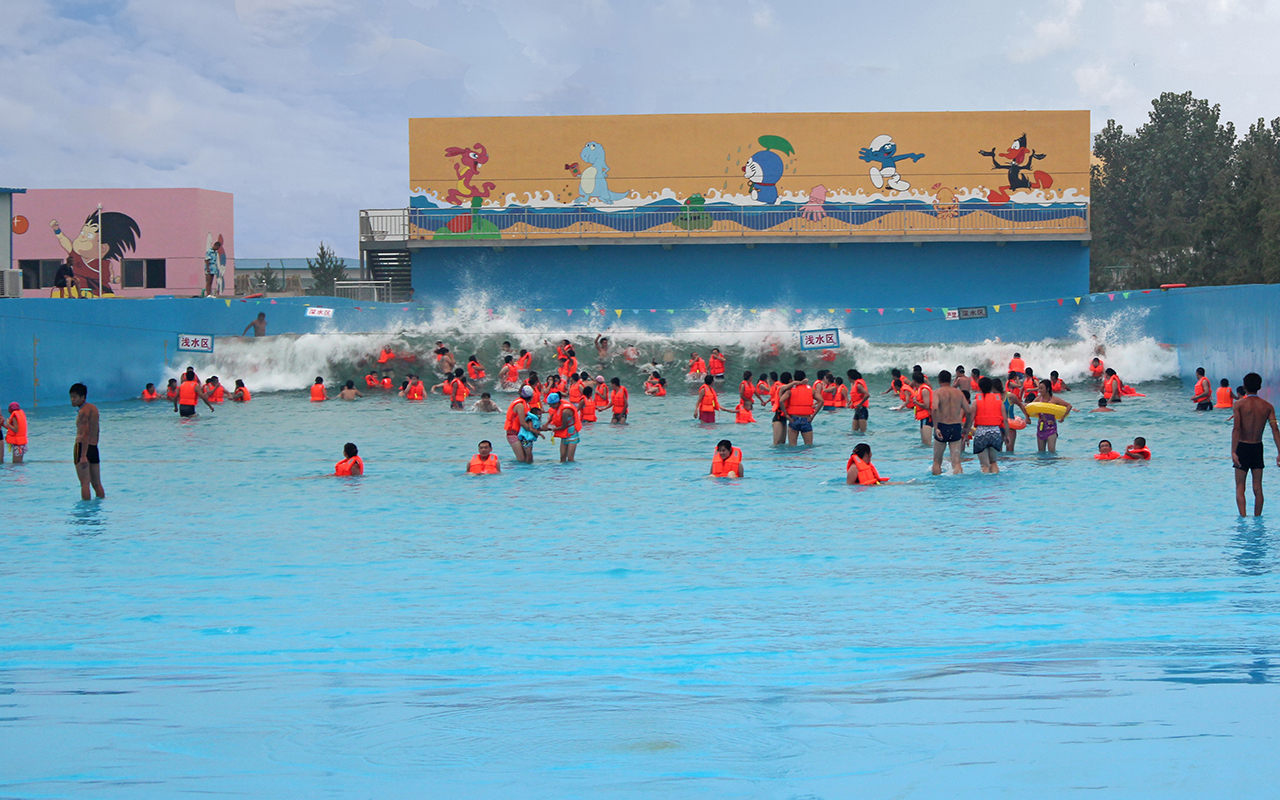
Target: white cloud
1051	34
1157	14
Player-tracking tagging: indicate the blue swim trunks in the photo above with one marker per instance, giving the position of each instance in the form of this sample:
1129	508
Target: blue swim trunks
801	425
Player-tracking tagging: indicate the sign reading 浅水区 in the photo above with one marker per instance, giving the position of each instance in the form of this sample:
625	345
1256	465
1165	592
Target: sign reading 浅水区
316	311
824	339
980	312
195	342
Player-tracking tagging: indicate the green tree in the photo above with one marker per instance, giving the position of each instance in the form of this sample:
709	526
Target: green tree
1154	190
325	270
270	279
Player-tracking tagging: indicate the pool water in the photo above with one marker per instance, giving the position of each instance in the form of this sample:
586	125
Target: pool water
229	622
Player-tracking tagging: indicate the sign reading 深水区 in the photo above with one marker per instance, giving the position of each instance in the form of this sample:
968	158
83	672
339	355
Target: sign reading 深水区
979	312
824	339
316	311
195	342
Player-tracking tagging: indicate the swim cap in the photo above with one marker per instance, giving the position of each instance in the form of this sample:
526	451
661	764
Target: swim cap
553	398
14	406
599	379
526	392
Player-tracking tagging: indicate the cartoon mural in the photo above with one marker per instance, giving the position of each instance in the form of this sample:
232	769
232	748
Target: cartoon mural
1020	161
660	163
593	181
466	168
883	150
112	234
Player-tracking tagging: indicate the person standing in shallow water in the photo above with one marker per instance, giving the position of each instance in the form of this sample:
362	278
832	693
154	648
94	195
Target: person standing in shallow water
1249	416
88	468
949	412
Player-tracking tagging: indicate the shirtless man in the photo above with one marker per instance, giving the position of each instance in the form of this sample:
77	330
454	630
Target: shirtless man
485	403
951	415
88	470
259	326
349	391
602	348
1249	416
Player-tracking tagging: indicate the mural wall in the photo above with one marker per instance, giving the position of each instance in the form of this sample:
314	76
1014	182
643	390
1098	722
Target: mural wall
798	173
167	235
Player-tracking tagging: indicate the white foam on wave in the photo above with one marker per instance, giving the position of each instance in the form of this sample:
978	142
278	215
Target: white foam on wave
478	324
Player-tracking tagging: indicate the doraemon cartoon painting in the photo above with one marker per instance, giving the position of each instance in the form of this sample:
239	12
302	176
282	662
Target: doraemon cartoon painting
593	181
883	151
764	169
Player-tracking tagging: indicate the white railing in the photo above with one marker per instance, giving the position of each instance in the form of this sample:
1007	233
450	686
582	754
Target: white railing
372	291
514	224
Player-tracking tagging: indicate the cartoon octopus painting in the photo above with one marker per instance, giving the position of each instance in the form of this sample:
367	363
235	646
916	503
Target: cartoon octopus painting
1020	162
468	167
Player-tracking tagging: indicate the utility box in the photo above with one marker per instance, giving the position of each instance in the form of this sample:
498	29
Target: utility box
10	283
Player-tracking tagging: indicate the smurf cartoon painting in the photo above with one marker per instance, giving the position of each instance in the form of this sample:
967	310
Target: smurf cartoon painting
883	151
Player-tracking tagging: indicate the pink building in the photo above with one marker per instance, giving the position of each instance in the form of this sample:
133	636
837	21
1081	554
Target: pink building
151	241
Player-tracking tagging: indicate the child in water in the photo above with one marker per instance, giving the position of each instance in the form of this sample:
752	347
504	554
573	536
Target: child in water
1138	451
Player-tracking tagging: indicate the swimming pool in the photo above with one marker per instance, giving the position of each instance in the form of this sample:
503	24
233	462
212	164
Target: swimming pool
229	622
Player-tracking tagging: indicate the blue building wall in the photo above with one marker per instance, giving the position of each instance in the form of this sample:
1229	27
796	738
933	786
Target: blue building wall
1228	330
797	274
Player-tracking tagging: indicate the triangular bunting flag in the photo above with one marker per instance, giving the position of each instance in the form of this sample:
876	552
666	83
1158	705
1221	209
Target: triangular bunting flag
1060	301
1077	301
913	311
671	311
752	310
568	312
273	302
1126	296
228	302
1111	297
619	312
602	313
930	310
944	312
653	311
1146	291
829	311
798	311
997	308
865	310
1013	306
881	310
537	309
848	311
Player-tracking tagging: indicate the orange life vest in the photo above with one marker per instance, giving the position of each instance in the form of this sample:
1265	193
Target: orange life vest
743	415
475	371
218	395
317	393
1138	454
868	475
746	392
800	401
697	365
522	362
762	389
1098	370
619	399
587	411
841	398
1017	365
1112	456
859	396
387	354
344	466
922	405
458	390
1030	386
188	393
601	395
1224	397
988	410
710	400
1111	387
387	384
150	394
19	420
662	391
715	364
575	393
1201	390
170	393
828	393
371	381
415	391
1058	386
726	467
244	395
508	373
1014	388
488	466
559	429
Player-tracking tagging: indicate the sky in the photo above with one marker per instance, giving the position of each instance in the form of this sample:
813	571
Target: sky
300	107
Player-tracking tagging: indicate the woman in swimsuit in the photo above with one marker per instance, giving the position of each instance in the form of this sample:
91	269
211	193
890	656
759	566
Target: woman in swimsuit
1047	424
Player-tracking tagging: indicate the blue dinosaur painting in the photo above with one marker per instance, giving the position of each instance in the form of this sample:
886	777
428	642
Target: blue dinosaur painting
594	179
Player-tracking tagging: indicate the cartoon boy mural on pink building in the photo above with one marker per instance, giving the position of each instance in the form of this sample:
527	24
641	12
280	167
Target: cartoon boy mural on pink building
107	234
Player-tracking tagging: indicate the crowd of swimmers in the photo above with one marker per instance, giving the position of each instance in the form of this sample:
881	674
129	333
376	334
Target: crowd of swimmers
953	411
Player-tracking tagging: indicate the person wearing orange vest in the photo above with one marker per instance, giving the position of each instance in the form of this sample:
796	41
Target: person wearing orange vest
576	384
587	408
474	371
1112	386
1097	369
318	394
351	465
859	471
1105	453
1030	386
651	383
1226	398
779	420
348	391
1016	364
922	404
601	394
1138	451
15	428
742	415
1201	396
707	403
516	413
895	375
859	400
371	380
149	393
241	394
726	462
747	391
416	391
800	403
189	391
697	367
1056	382
171	391
619	397
989	426
484	462
762	388
565	422
216	391
524	360
388	381
508	374
715	364
661	391
840	398
386	355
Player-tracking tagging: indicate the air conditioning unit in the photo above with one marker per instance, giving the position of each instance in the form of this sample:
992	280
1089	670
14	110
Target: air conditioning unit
11	283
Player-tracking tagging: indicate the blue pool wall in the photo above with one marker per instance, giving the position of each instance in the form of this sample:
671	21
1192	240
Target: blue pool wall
117	346
803	275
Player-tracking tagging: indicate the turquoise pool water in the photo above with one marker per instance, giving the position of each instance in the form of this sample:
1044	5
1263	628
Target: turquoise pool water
229	623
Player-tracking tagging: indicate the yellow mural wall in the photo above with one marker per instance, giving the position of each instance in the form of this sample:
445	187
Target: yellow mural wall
832	158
